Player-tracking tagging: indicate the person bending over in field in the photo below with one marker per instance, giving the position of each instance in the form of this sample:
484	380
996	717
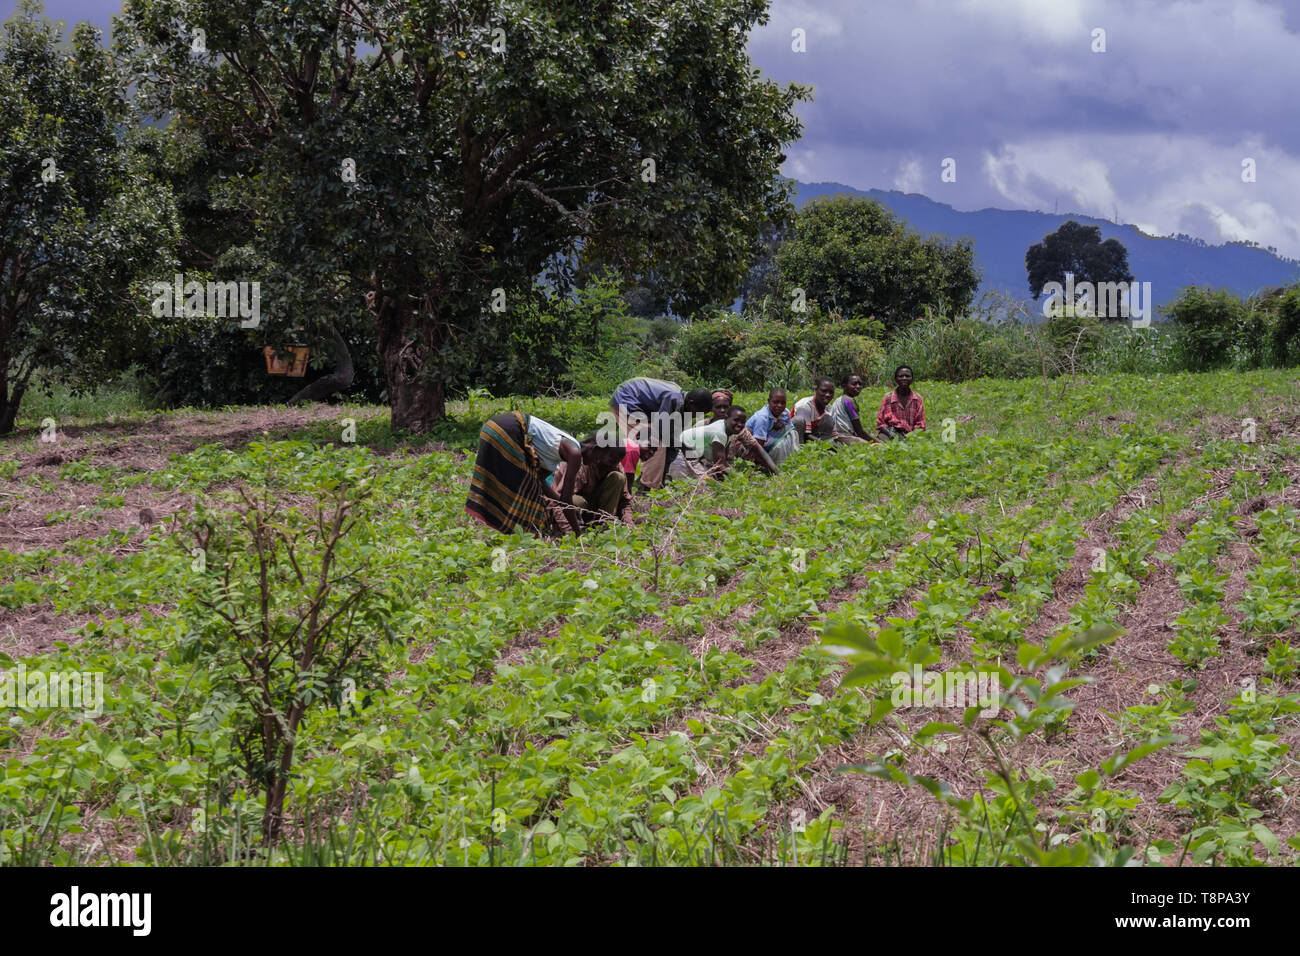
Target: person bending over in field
516	454
773	428
630	461
599	489
901	411
821	416
648	397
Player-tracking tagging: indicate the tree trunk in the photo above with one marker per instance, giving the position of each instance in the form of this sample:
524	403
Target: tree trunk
8	414
408	341
336	380
11	396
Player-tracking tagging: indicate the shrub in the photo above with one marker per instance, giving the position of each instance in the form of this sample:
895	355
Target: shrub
1123	349
937	347
1010	350
611	359
199	362
1278	317
547	343
1208	325
840	356
1071	339
706	347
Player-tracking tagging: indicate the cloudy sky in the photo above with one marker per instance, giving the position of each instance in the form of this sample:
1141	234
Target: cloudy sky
1153	130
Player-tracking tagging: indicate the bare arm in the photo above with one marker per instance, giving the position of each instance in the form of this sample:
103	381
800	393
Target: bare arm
572	462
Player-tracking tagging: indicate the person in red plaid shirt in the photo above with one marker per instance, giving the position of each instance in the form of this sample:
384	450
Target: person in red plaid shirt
901	411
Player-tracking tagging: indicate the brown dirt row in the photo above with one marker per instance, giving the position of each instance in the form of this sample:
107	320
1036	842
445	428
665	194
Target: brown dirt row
1121	678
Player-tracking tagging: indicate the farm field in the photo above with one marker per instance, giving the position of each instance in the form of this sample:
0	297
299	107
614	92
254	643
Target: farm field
1120	552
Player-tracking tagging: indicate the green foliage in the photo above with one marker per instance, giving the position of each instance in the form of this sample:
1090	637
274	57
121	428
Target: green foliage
751	352
525	702
287	617
1074	337
474	170
1001	826
855	258
1078	249
1276	317
957	350
707	348
1208	325
204	363
836	355
83	220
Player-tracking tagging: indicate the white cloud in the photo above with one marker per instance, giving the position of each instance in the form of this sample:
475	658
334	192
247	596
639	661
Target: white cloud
909	178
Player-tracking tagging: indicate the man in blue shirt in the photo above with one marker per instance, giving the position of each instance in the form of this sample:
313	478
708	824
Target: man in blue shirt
660	405
774	428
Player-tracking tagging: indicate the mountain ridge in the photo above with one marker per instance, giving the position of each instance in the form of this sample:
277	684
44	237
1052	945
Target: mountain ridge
1002	236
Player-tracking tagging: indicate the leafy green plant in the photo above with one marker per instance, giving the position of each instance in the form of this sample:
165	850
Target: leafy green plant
1005	824
282	621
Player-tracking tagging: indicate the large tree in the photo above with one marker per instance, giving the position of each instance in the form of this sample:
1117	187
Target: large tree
856	258
80	219
1078	249
489	140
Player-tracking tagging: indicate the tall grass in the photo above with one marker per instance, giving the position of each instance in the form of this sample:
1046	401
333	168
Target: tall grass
47	397
959	350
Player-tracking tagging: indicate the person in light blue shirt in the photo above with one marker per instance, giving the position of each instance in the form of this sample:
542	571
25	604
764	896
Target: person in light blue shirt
554	446
774	428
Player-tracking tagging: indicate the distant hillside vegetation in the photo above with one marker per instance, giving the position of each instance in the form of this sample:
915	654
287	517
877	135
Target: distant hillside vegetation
1002	236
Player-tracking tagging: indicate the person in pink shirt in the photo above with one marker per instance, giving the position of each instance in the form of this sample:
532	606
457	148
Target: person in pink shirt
901	411
630	461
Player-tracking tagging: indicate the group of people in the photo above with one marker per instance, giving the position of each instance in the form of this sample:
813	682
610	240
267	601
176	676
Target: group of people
530	474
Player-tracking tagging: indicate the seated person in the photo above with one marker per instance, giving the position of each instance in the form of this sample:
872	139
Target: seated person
847	408
744	445
705	447
901	411
773	428
820	416
721	403
599	489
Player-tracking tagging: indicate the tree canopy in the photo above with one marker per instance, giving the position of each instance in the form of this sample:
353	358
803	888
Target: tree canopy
428	154
1078	249
81	220
855	258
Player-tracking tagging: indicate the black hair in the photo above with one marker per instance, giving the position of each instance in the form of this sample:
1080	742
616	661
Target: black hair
594	441
822	380
901	367
698	400
776	391
847	377
738	408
